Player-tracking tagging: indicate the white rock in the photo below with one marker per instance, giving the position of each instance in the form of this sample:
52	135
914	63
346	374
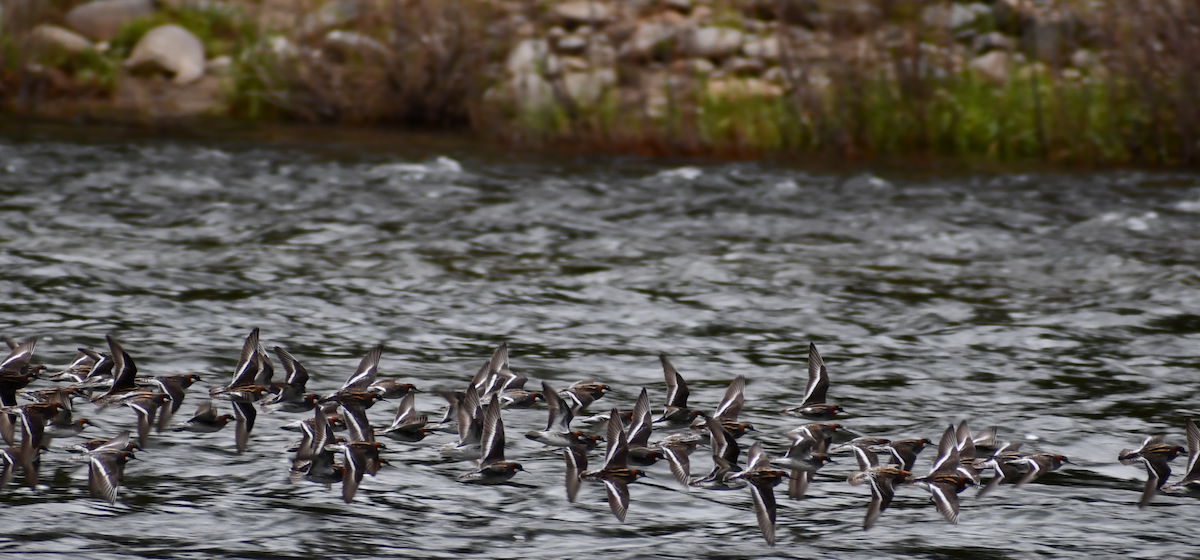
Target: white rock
57	38
173	49
527	57
640	46
714	42
587	88
736	65
1084	59
600	52
583	12
953	16
994	66
219	66
991	41
100	20
765	49
572	44
350	43
531	91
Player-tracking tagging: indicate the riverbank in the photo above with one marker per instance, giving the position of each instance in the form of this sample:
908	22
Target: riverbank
1100	82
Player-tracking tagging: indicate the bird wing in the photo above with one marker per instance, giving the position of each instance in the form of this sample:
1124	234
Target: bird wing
818	378
367	370
764	509
618	497
247	366
735	398
677	390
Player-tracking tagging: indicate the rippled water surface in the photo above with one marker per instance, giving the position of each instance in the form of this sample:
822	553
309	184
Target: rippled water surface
1064	308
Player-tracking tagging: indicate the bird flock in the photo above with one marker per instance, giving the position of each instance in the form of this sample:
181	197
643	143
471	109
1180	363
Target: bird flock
474	414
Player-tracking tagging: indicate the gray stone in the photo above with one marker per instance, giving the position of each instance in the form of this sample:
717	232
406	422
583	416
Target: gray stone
171	48
100	20
349	44
527	57
1084	59
156	97
331	15
574	64
220	66
587	88
952	16
994	66
645	38
51	37
738	66
992	42
572	44
531	91
600	53
583	12
765	49
714	42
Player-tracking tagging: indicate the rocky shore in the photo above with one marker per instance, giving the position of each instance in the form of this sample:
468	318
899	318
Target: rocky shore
1073	80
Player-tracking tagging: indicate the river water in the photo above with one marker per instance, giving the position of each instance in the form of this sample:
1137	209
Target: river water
1062	307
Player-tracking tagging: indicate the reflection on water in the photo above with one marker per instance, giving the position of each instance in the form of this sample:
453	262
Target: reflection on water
1063	308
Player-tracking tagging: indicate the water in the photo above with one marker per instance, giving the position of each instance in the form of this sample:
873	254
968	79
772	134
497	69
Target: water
1064	308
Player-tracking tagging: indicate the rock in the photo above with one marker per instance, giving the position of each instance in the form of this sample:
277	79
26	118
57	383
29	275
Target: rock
1084	59
994	66
736	65
350	44
50	37
701	14
764	49
587	88
1010	15
531	92
572	44
171	48
714	42
330	15
527	57
645	39
600	53
156	97
574	64
738	88
683	6
1048	32
952	16
994	41
694	66
583	12
219	66
100	20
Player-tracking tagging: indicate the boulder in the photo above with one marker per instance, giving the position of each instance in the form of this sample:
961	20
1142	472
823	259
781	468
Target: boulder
531	91
952	16
737	88
331	15
50	37
527	57
100	20
219	66
763	49
738	66
572	44
583	12
587	88
600	53
349	44
994	66
171	48
994	41
646	37
156	97
714	42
